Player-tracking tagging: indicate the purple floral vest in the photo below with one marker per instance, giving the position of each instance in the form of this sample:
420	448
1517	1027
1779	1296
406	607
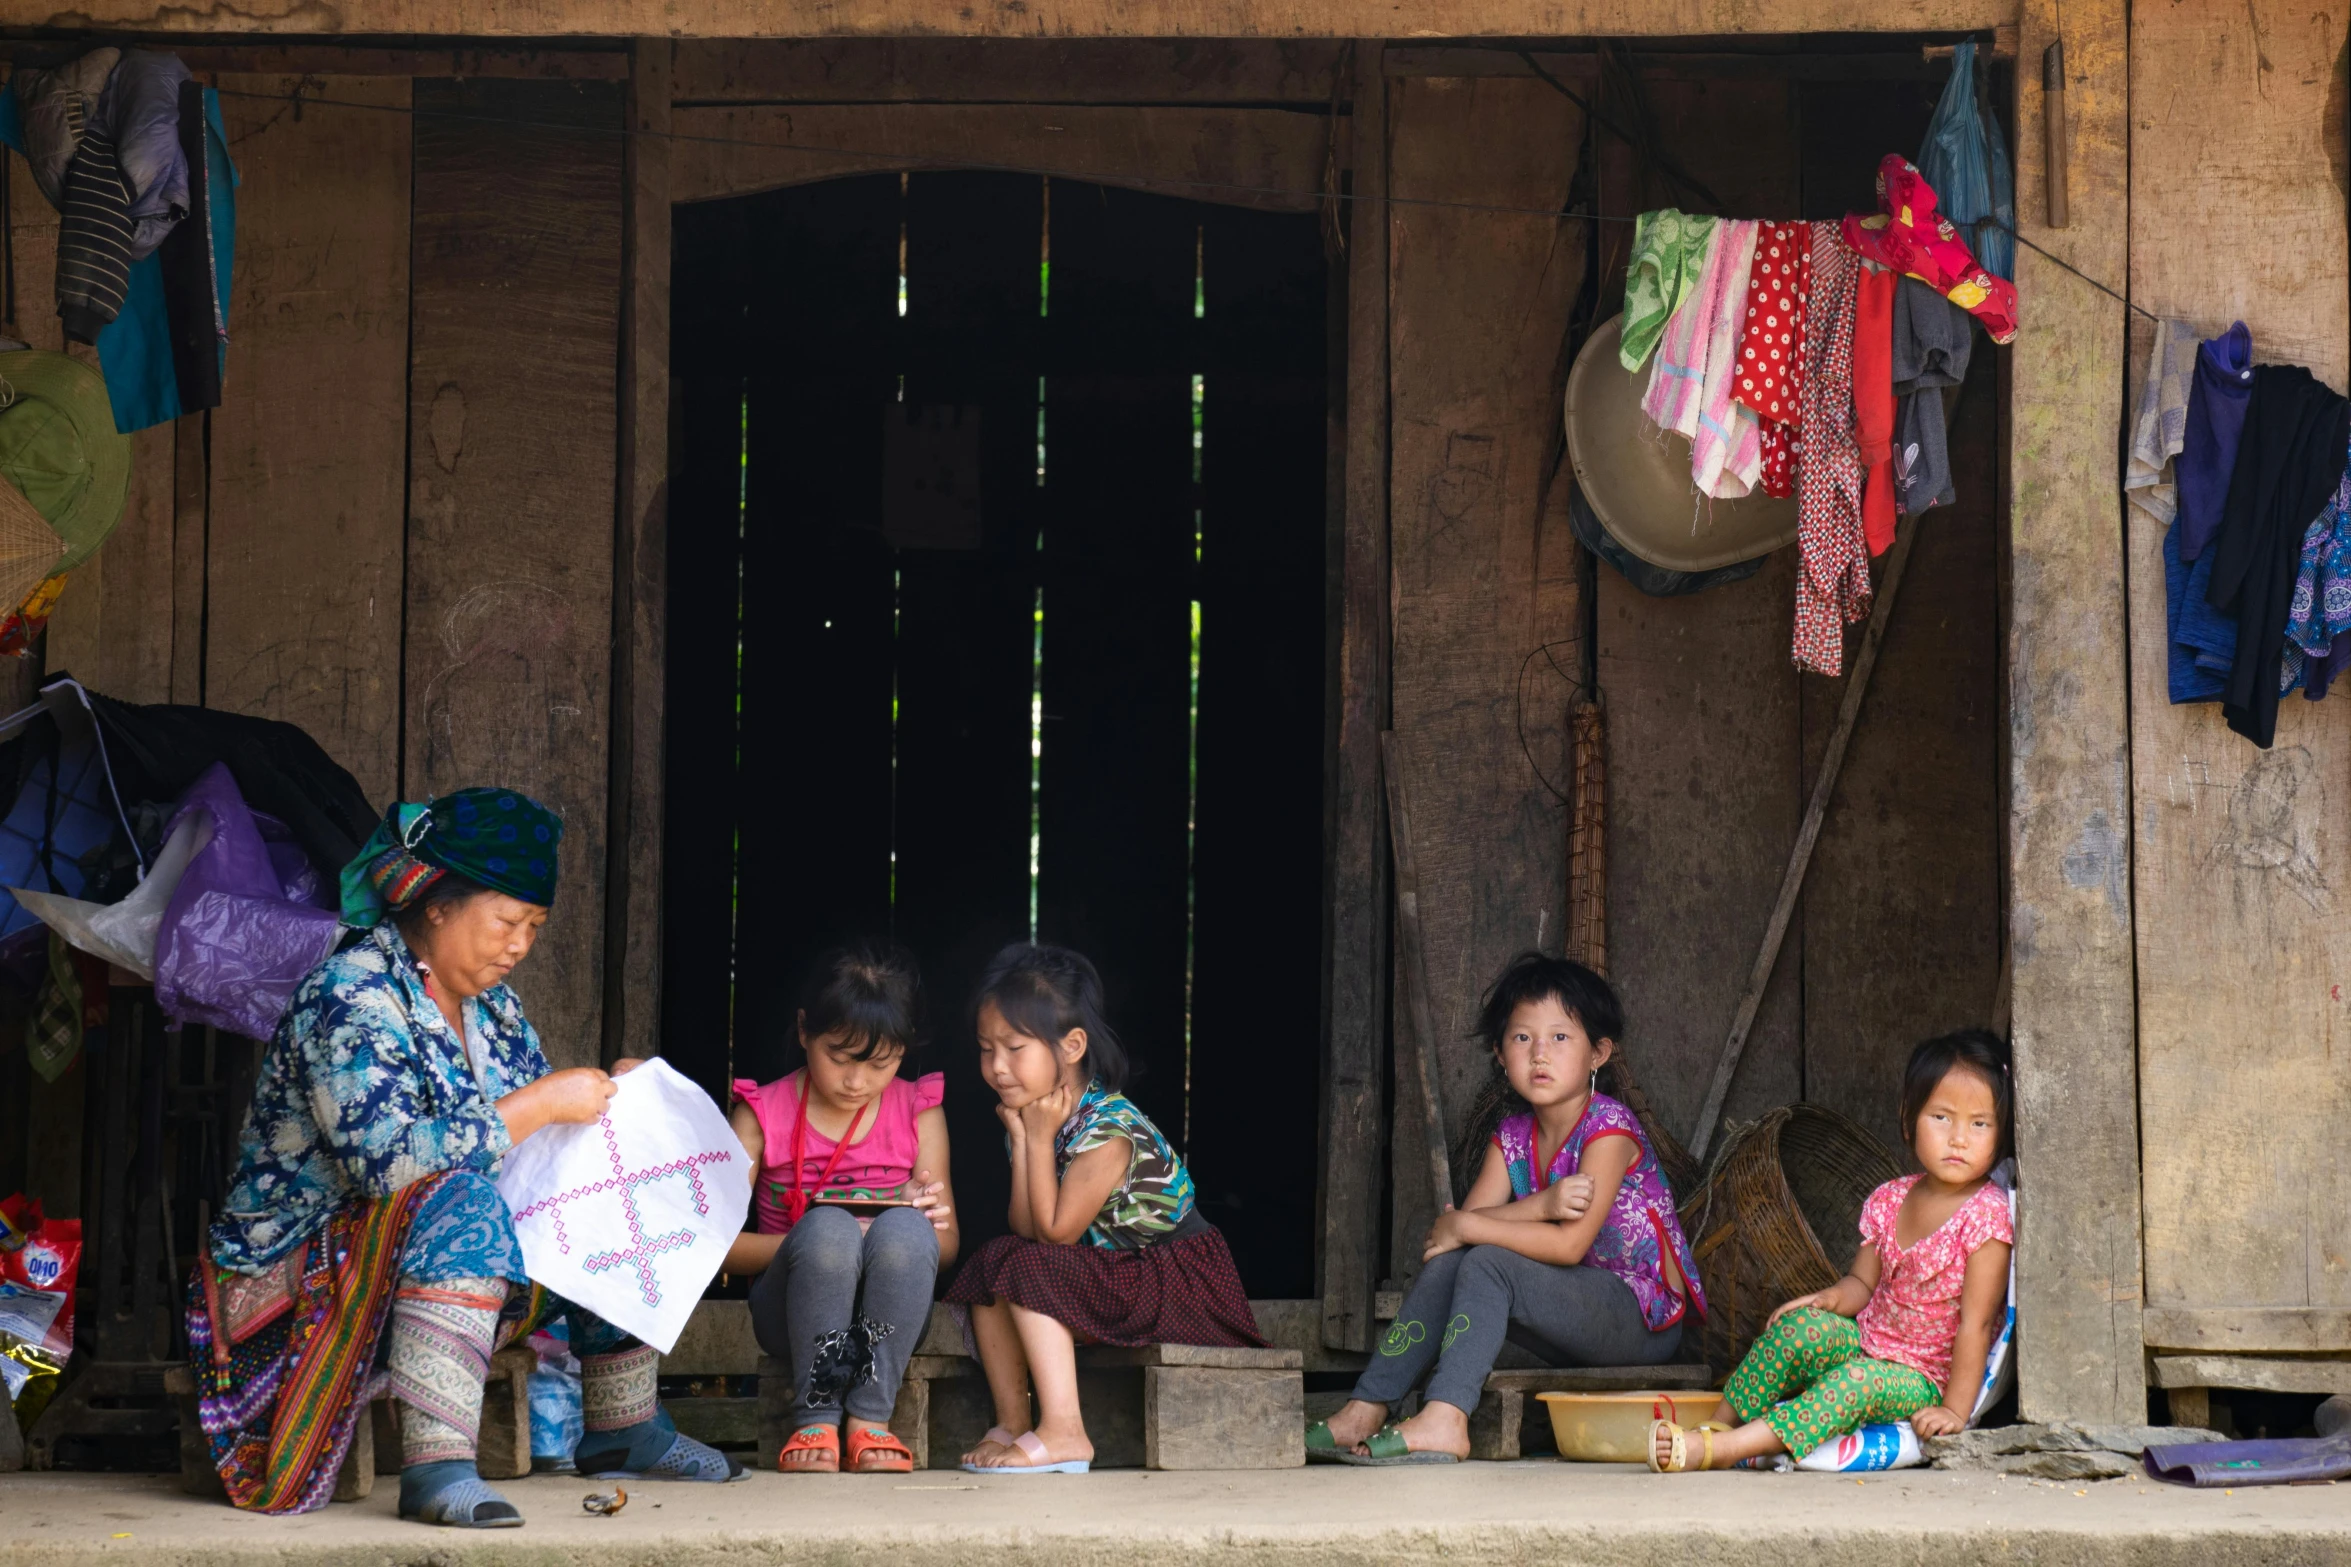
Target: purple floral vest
1641	1242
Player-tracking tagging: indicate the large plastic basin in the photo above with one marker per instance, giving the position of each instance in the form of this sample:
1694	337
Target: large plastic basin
1612	1428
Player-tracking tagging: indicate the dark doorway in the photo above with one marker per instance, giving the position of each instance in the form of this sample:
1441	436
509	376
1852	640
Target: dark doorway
996	568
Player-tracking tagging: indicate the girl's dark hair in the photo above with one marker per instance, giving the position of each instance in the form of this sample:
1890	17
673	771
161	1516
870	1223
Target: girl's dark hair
1534	976
1044	992
1980	1051
871	991
445	891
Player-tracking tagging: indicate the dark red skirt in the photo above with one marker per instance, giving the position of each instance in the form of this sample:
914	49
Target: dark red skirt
1177	1292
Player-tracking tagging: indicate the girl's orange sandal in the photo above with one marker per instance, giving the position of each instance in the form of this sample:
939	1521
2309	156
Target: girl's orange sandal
874	1451
1677	1457
813	1450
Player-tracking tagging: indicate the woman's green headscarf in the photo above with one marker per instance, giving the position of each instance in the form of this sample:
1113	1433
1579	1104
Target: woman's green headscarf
501	838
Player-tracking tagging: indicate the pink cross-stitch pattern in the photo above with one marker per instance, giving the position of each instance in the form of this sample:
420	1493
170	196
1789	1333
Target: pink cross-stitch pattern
641	1249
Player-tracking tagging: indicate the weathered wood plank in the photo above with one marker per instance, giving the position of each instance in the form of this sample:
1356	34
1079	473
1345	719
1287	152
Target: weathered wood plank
1484	568
1706	780
1355	1131
990	70
112	629
1202	1419
2239	854
191	507
1909	859
2312	1330
640	582
2078	1260
1237	156
1031	18
303	563
2270	1376
32	240
511	481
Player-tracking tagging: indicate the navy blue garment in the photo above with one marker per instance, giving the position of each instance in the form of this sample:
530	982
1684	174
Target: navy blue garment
2223	385
2289	463
2202	640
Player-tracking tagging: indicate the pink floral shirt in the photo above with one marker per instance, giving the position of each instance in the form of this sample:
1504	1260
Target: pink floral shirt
1913	1315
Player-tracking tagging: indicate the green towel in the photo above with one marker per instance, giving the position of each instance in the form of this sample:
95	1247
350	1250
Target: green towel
1669	251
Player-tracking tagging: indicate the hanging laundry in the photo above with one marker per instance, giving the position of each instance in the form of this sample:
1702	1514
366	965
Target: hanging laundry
1910	237
2217	399
1726	453
2160	427
2318	616
1932	340
1832	570
2289	462
1771	348
1965	158
2201	642
1873	403
93	237
1677	384
1669	251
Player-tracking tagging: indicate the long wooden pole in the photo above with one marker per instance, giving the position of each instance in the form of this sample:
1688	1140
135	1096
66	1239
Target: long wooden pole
1413	956
1832	761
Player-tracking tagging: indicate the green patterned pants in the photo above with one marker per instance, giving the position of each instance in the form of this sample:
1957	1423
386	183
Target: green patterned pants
1808	1377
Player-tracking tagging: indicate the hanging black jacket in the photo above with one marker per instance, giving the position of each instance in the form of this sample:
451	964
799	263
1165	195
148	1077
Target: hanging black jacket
2288	464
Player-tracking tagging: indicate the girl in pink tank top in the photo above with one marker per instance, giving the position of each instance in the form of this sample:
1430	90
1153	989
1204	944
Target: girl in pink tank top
854	1213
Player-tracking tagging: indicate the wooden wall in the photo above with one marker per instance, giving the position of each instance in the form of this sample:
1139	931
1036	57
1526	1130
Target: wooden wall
396	531
2240	871
1483	568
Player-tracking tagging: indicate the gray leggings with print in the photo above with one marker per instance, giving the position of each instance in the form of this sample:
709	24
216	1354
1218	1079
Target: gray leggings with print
1466	1302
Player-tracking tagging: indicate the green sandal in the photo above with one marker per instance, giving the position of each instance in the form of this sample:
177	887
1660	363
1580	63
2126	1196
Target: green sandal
1387	1450
1320	1447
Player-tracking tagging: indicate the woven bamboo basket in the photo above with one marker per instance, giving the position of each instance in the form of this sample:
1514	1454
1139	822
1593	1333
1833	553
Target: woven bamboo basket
1779	1218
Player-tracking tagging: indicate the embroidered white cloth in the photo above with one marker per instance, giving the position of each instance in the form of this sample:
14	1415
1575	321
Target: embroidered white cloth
632	1214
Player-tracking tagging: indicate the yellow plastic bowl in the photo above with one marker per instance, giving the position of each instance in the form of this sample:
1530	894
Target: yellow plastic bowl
1612	1428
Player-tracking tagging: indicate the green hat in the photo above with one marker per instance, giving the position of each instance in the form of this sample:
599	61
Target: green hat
59	448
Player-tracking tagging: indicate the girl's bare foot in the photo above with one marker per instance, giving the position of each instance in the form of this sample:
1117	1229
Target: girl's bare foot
1355	1423
1438	1428
988	1451
1063	1445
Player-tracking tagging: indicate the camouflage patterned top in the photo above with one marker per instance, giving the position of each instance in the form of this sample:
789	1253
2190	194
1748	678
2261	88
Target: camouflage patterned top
1155	1198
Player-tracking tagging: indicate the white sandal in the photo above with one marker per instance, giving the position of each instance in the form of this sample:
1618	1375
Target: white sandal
1040	1461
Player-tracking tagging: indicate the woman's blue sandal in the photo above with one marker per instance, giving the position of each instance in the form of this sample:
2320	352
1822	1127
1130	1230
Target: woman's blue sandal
453	1494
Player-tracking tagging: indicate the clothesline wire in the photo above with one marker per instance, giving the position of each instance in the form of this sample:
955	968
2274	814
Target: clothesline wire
1140	182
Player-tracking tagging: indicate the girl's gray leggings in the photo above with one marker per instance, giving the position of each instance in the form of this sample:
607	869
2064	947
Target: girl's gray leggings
1467	1301
828	1277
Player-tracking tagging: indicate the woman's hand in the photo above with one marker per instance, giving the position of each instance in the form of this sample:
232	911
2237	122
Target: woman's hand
572	1097
627	1064
1567	1201
1014	1127
1938	1420
1444	1235
929	1198
1044	1114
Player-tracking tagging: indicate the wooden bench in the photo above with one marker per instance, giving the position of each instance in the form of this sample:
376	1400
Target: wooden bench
502	1450
1162	1406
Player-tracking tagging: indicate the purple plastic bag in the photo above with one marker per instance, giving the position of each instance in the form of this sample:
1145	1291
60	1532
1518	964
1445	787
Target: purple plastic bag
243	928
2292	1460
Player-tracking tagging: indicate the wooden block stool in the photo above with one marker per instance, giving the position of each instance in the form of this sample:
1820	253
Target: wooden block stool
502	1451
1509	1422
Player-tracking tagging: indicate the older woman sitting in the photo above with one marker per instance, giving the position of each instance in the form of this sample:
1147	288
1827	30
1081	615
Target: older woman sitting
363	1231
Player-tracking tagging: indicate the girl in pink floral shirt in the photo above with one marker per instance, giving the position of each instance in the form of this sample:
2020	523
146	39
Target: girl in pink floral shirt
1904	1334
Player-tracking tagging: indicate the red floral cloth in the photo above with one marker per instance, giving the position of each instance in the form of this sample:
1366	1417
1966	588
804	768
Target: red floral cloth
1912	238
1913	1315
1832	571
1873	403
1771	349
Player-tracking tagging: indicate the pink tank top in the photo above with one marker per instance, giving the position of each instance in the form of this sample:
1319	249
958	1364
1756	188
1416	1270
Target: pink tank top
882	1157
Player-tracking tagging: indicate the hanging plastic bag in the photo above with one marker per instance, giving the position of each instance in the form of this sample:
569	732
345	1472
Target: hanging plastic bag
1965	159
556	1414
242	928
124	933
